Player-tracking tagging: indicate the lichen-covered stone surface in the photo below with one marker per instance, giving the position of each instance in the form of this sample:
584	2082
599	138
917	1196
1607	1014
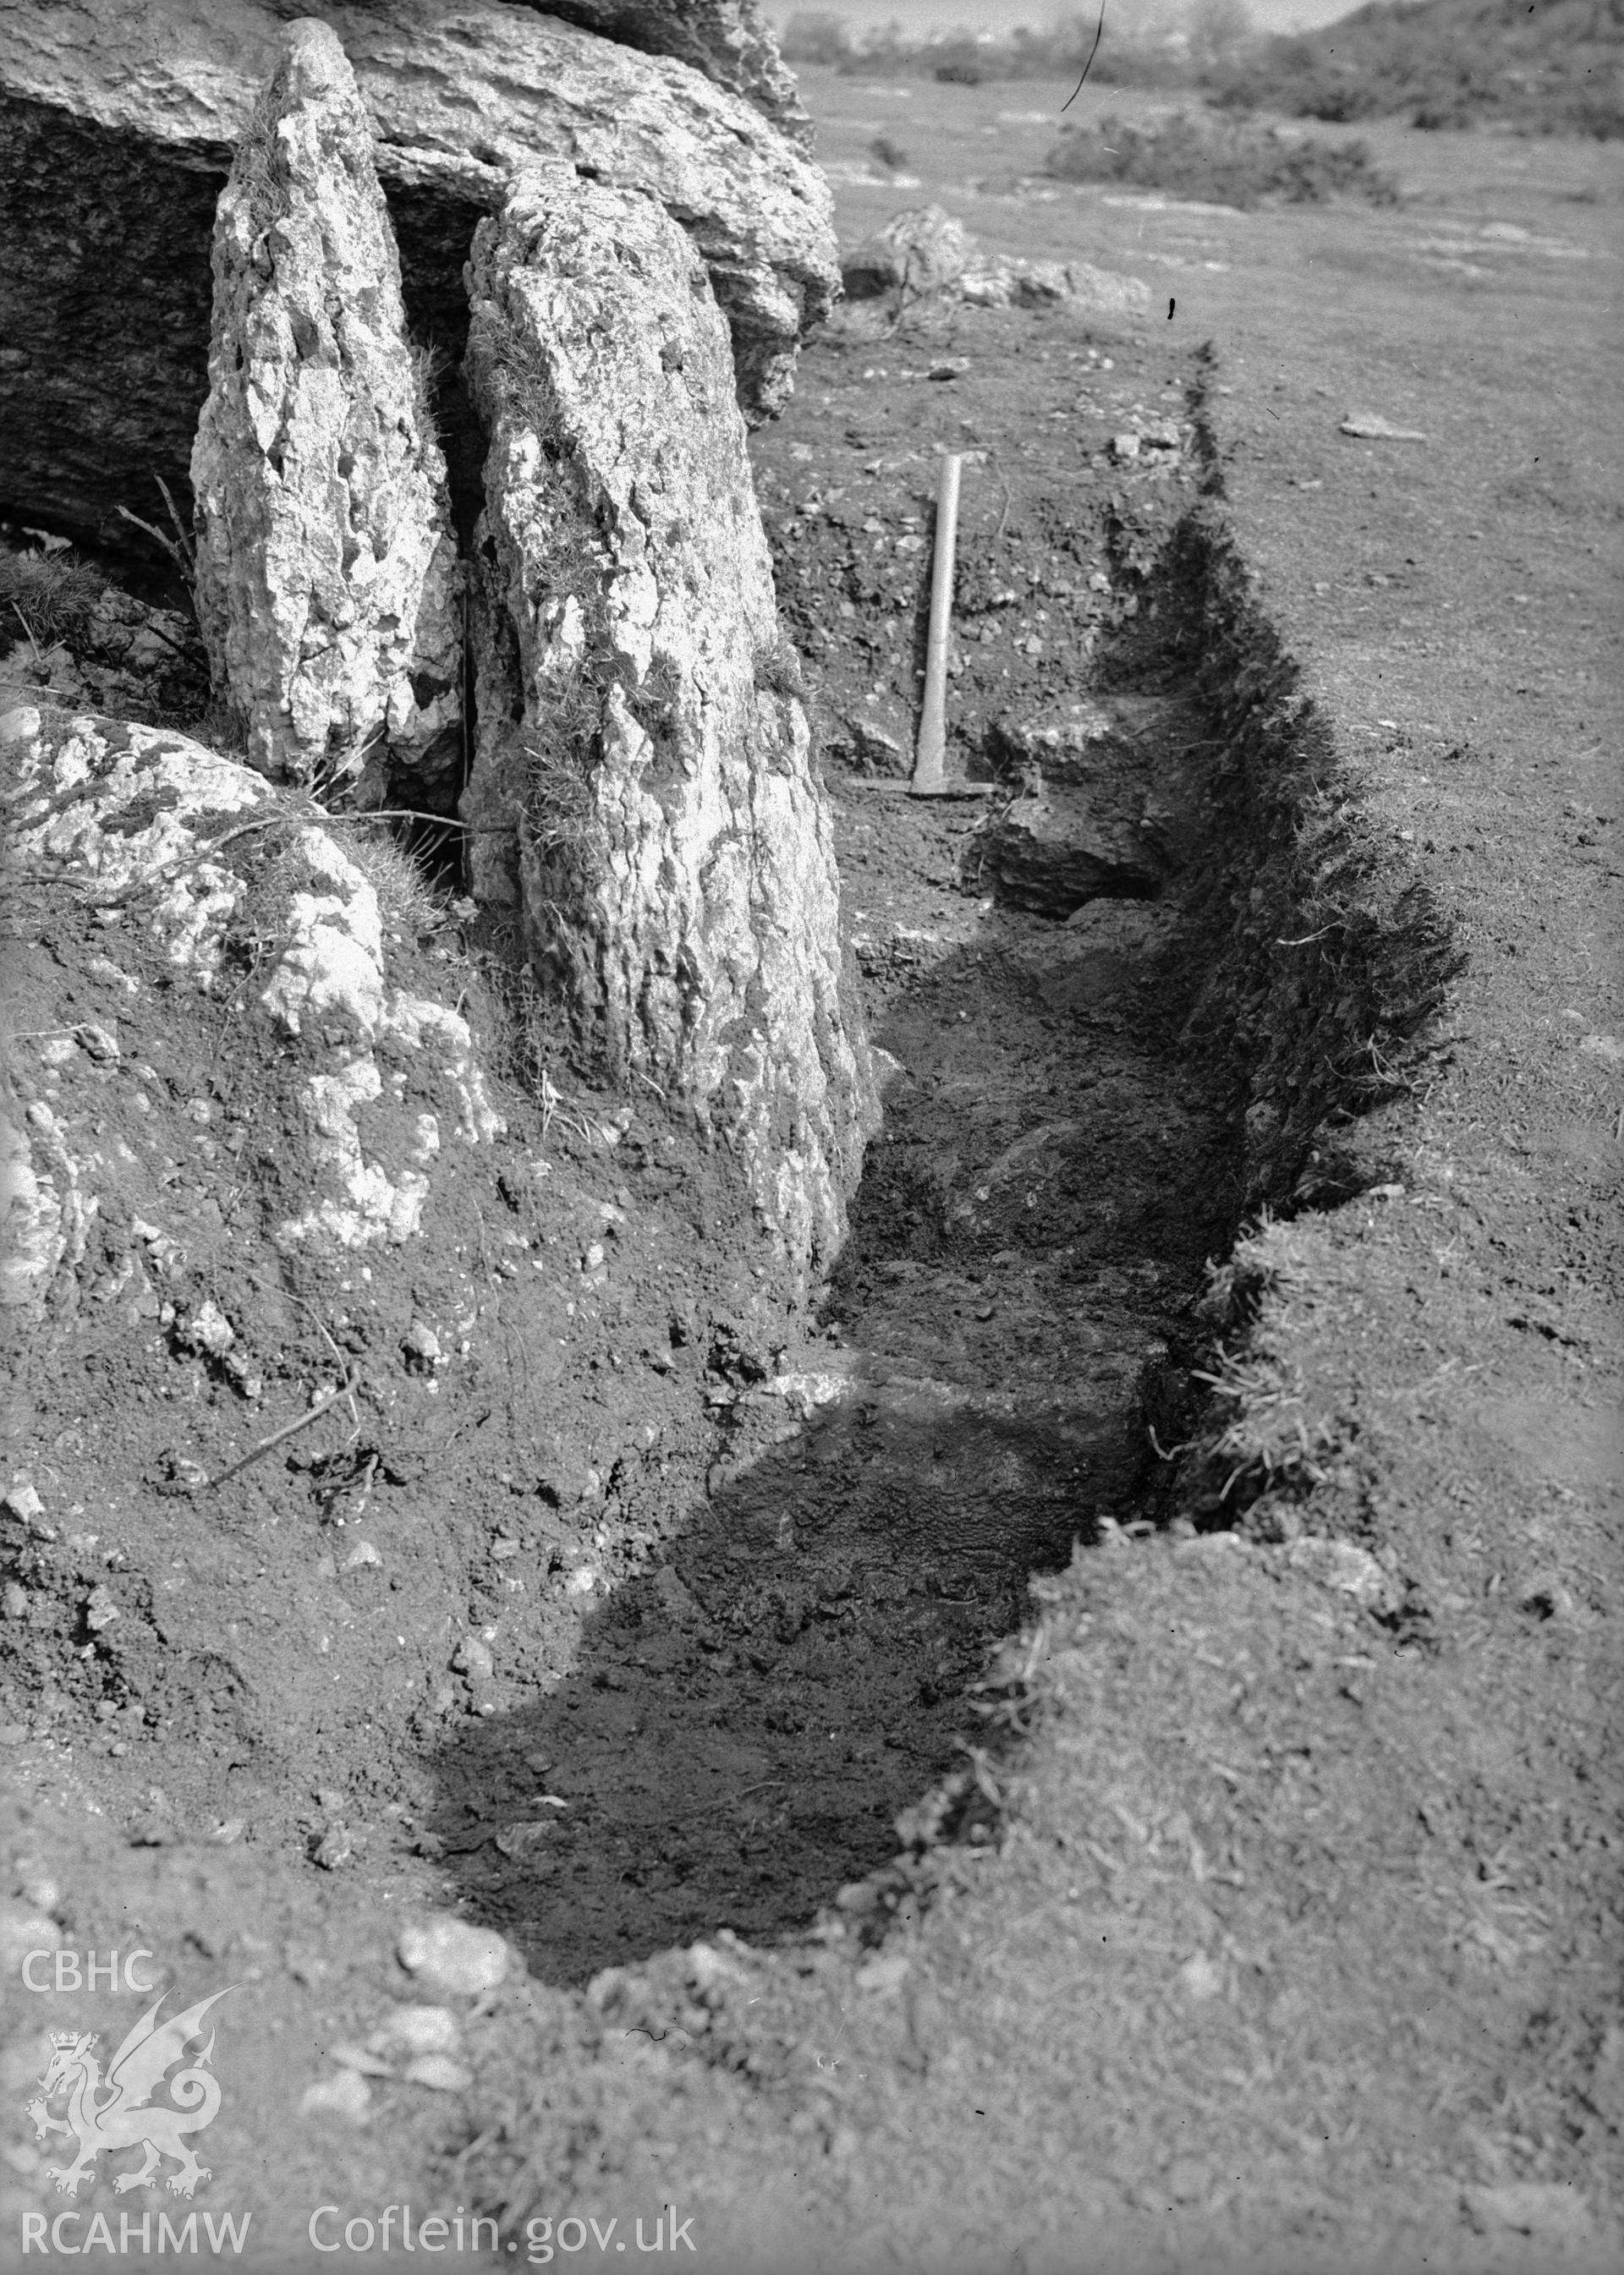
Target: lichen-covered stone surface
254	905
117	123
729	40
643	785
327	579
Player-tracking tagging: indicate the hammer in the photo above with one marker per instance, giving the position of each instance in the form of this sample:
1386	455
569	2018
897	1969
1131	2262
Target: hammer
930	753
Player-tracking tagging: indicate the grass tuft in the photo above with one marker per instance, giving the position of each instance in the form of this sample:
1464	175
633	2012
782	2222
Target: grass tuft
52	596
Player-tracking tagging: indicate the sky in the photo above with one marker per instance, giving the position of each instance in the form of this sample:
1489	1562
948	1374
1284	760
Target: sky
997	15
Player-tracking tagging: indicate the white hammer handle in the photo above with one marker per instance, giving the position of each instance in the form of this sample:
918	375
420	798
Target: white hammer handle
930	755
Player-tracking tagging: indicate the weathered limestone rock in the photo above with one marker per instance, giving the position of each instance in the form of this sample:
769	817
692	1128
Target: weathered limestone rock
642	785
923	250
327	579
201	851
1000	283
117	123
728	41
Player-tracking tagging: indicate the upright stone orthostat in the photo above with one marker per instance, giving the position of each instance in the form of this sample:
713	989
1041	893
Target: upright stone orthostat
327	579
642	787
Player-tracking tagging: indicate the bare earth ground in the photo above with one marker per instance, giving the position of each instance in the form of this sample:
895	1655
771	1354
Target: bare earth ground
1274	1919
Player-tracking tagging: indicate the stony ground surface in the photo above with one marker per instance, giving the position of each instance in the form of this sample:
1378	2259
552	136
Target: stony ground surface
1260	1906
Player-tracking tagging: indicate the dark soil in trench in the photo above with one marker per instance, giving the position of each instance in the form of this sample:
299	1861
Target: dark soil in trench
743	1723
644	1610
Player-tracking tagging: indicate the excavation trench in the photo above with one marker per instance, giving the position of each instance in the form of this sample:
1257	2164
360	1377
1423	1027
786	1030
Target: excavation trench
1101	1046
745	1721
647	1607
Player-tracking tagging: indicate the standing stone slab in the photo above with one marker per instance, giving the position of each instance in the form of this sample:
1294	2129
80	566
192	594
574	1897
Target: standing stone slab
327	579
642	785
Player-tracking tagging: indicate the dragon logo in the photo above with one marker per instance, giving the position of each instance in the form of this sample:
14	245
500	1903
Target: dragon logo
117	2111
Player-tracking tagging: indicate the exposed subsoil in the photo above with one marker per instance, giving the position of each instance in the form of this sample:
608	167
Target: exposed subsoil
628	1611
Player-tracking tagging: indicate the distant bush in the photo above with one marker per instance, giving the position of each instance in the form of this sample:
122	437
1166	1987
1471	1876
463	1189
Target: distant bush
1133	60
1553	66
1226	164
961	68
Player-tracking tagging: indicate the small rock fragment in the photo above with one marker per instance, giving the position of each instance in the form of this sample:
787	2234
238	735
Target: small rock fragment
100	1610
347	2096
36	1885
1203	1978
473	1658
439	2072
1339	1564
336	1848
707	1967
1369	428
418	2030
449	1956
358	2059
878	751
206	1329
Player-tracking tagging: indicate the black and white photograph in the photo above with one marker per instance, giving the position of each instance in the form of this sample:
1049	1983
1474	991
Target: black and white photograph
811	848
